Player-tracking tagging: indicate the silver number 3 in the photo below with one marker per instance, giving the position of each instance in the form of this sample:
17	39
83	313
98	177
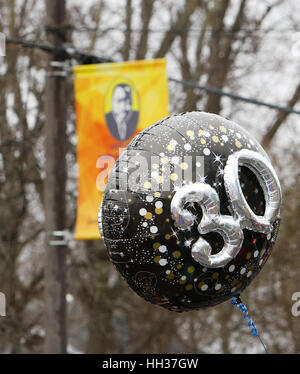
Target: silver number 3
229	227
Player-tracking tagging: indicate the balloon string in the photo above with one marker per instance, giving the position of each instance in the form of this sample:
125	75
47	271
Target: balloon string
236	301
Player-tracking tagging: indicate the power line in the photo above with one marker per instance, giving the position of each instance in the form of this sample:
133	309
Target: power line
218	91
181	30
69	52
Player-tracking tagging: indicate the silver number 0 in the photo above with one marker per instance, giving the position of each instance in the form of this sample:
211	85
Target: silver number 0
230	227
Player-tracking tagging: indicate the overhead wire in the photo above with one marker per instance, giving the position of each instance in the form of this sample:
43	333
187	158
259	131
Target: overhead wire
69	52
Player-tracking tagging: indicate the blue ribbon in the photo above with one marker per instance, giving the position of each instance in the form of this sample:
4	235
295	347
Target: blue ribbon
236	301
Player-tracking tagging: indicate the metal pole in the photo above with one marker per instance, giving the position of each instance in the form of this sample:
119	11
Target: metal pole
55	181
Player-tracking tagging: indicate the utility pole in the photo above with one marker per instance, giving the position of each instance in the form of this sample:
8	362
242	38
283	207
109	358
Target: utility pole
55	182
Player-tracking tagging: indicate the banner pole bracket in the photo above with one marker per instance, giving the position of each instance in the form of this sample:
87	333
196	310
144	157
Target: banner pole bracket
59	238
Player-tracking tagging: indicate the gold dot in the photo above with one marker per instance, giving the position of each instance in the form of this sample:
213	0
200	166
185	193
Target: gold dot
191	269
167	236
200	284
176	254
129	200
221	289
227	276
215	275
211	127
156	245
155	166
202	141
179	266
222	144
201	131
238	144
182	281
157	194
156	259
170	275
148	215
215	139
234	282
190	133
173	177
147	185
171	147
184	165
248	255
223	129
160	179
167	219
158	210
169	196
188	287
164	160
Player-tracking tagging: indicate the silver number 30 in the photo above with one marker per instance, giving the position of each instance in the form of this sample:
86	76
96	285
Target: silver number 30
230	227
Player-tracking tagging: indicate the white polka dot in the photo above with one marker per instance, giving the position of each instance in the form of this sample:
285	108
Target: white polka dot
187	147
145	224
162	262
206	133
153	229
269	236
175	159
255	253
243	271
204	287
224	138
231	268
238	135
204	270
233	289
218	286
168	271
149	198
173	142
198	164
154	174
162	248
143	211
183	277
260	262
158	204
206	151
249	274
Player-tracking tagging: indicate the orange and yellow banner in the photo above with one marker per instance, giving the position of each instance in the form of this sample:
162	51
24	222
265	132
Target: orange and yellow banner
114	101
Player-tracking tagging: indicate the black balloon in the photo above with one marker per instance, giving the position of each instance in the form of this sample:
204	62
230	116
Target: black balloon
144	241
